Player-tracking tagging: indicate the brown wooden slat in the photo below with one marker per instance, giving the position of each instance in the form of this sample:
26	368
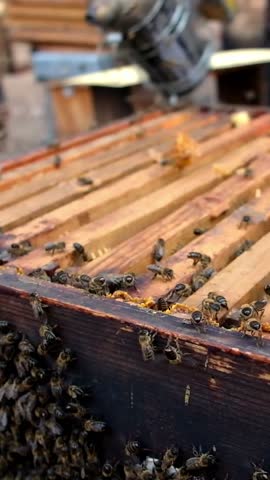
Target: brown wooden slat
177	228
243	279
220	243
121	224
29	171
92	206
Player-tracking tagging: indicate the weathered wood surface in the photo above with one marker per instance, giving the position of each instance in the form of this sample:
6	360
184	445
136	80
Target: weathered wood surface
146	400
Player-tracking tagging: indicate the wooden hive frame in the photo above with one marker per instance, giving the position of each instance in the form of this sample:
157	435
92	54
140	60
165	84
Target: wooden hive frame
134	199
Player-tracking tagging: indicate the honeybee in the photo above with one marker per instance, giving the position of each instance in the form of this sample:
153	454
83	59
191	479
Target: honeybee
24	363
10	338
57	385
162	305
254	328
61	277
130	470
169	458
4	326
267	289
40	274
57	161
64	359
107	470
75	392
200	460
198	321
244	247
132	448
84	181
53	427
256	309
80	251
259	307
95	426
158	250
146	343
201	258
53	247
167	274
181	290
259	473
210	309
246	221
199	231
20	249
47	346
219	299
173	354
46	332
120	282
200	279
38	374
37	306
25	346
98	286
84	281
76	410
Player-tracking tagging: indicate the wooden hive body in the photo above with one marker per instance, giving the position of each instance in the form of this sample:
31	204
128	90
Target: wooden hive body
133	201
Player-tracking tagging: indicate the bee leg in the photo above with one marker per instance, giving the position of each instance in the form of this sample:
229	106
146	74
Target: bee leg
169	342
259	339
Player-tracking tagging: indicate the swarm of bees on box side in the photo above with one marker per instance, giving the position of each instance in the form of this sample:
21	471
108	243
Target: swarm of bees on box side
46	431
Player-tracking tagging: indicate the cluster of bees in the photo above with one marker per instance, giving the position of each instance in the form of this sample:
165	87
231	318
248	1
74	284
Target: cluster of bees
46	431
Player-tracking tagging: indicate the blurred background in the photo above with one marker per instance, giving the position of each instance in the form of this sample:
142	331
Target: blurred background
45	41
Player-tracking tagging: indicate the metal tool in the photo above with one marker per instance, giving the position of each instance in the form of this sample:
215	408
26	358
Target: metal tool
161	37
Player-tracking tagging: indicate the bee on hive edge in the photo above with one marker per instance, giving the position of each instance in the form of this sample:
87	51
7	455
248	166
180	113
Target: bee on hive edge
95	426
64	359
200	460
181	290
259	473
169	458
61	277
80	251
37	306
244	247
85	181
253	327
173	354
165	273
132	448
199	231
210	309
245	221
20	249
98	286
198	320
158	250
200	279
146	343
53	247
219	299
162	305
201	258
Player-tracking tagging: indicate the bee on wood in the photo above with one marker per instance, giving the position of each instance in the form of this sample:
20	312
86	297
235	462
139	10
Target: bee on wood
246	312
53	247
244	247
83	282
20	249
46	332
40	274
169	458
132	449
146	343
25	346
199	231
245	222
200	279
98	286
253	327
130	470
200	460
46	347
259	473
165	273
107	470
37	306
162	305
201	258
75	392
173	354
158	250
61	277
64	359
95	426
246	172
85	181
128	281
10	338
76	410
198	321
23	363
259	307
80	251
210	309
181	290
57	161
219	299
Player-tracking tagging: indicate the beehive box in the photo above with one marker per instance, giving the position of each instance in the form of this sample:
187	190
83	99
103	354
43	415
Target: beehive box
219	394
